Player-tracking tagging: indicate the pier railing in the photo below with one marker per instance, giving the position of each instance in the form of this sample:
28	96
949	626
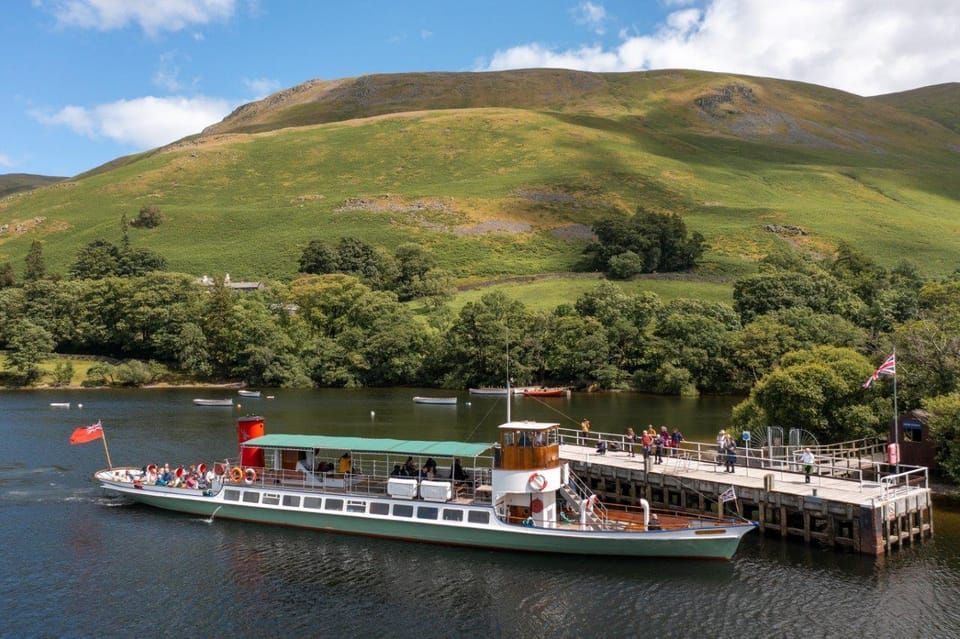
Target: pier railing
860	461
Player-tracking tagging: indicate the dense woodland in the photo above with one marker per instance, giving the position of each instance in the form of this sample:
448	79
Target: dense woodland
798	341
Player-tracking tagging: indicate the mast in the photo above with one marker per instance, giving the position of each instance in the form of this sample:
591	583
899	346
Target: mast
510	392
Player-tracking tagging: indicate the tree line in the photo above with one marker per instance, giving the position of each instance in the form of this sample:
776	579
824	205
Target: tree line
798	340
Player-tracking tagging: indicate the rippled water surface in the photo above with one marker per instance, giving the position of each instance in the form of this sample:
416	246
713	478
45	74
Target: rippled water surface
78	563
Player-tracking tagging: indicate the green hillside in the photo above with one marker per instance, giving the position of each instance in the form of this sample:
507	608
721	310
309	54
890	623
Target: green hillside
501	174
940	103
11	183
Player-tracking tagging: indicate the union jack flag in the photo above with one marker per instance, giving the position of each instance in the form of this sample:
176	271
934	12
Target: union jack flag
728	495
889	367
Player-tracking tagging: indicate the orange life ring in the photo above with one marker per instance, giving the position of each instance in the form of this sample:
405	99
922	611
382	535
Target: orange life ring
538	481
218	469
249	476
536	505
201	469
179	472
236	474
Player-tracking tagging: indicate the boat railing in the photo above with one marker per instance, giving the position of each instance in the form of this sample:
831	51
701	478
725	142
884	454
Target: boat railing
587	499
476	488
859	462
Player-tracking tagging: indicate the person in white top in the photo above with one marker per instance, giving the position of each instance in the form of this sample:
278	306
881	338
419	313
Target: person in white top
807	460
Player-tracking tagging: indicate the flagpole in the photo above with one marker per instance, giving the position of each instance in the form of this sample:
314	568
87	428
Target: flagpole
103	436
896	420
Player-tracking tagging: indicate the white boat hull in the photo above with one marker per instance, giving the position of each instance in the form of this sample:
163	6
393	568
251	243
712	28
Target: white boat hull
213	402
350	514
435	400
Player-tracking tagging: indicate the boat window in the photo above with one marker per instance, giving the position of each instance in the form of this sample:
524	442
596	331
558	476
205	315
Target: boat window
452	514
478	517
356	506
231	495
508	439
312	502
271	499
251	496
291	500
402	510
379	508
334	504
425	512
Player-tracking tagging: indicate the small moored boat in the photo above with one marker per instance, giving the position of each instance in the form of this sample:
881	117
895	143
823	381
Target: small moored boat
435	400
213	402
542	391
59	404
496	390
248	393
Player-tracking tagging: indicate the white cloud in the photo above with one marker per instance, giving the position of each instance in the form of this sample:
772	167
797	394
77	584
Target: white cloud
5	160
863	46
151	16
592	15
425	34
141	123
260	87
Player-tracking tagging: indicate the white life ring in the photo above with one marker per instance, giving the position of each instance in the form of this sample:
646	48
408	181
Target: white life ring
591	502
538	481
249	476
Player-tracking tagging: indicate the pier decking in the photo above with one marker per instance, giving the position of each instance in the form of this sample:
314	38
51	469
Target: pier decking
854	500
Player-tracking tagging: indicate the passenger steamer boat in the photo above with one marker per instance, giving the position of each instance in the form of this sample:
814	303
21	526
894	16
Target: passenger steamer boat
514	494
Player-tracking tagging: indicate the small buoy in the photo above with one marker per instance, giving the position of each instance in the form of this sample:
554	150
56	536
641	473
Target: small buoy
239	405
373	414
79	405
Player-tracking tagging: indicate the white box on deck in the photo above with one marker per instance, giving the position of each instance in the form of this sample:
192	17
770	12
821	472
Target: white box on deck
402	488
435	490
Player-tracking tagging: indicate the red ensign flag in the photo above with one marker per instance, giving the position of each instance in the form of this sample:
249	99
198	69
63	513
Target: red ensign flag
86	434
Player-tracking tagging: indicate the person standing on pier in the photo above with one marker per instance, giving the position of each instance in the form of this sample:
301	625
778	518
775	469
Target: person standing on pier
628	441
646	440
721	442
807	460
730	448
584	430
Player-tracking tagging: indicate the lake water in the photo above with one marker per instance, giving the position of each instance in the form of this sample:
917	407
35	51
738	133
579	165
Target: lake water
75	562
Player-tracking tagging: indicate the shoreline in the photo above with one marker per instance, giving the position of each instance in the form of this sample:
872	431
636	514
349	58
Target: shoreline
161	385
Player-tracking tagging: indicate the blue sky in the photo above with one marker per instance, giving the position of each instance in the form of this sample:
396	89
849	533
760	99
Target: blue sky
86	81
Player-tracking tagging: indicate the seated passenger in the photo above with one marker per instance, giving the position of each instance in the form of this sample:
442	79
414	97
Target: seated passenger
458	473
409	468
343	466
397	471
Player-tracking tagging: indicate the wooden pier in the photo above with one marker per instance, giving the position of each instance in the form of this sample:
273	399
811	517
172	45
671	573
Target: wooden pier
853	501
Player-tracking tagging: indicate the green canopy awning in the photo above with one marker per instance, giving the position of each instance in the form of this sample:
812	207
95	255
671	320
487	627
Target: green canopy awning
370	445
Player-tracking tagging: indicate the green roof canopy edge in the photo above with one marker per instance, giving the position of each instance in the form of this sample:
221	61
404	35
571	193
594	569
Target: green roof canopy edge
370	445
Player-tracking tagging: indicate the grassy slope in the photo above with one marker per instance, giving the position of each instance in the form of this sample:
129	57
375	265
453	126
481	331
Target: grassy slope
11	183
842	167
940	103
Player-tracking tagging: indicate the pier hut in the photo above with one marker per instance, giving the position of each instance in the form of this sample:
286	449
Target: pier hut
855	500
